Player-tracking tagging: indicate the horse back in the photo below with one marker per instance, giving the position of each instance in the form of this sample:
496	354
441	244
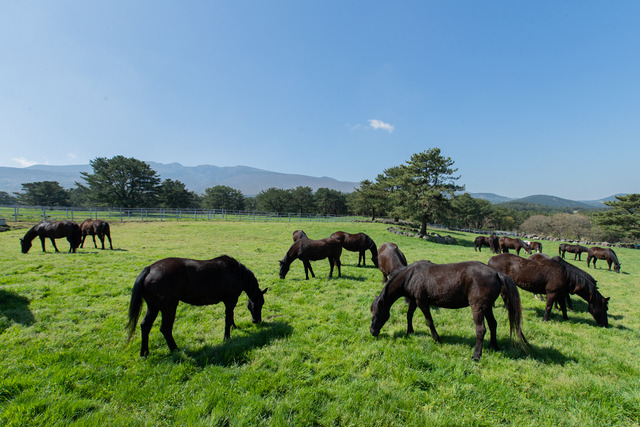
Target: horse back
529	274
314	250
390	258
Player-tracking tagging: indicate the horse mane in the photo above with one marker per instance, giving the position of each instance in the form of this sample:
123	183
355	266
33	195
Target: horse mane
614	256
578	279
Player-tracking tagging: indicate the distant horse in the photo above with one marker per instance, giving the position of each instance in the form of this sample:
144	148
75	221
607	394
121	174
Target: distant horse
165	283
481	241
556	278
358	243
494	244
390	258
299	234
312	250
507	243
535	246
52	230
577	250
607	254
456	285
93	228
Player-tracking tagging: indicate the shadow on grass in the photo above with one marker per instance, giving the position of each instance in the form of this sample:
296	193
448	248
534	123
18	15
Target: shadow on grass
556	316
510	348
235	351
15	308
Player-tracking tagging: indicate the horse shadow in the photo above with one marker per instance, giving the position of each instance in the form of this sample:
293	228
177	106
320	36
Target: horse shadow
556	316
16	308
509	348
235	351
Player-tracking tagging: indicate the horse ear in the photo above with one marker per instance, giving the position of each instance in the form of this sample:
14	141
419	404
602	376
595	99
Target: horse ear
265	291
607	299
281	262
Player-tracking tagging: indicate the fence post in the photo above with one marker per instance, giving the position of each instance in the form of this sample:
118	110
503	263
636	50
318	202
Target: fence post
15	213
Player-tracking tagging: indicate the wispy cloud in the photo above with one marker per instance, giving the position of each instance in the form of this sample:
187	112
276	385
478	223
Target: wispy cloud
24	162
379	124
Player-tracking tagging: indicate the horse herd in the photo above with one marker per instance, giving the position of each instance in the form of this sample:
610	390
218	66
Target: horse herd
75	234
423	284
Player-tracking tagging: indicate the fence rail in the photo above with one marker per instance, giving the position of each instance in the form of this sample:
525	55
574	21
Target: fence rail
19	213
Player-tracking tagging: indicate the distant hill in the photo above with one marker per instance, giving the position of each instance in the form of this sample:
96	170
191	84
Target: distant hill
196	178
555	202
492	197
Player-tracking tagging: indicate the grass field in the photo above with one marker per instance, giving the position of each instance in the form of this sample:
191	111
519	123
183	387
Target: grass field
64	358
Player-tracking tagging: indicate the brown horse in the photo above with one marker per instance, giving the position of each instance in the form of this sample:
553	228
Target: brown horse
165	283
52	230
535	246
516	244
450	286
390	258
577	250
358	243
299	234
93	228
312	250
556	278
481	241
607	254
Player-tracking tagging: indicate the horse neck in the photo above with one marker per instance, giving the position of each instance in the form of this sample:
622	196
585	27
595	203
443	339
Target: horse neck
614	257
394	289
31	234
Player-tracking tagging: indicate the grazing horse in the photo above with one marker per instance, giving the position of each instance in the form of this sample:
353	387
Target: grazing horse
299	234
494	243
557	279
390	258
507	243
165	283
607	254
93	228
358	243
312	250
577	250
481	241
52	230
456	285
535	246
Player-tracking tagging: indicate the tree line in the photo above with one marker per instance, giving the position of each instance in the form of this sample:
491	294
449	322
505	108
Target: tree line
424	189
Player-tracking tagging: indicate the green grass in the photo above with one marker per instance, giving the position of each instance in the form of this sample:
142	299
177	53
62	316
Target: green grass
64	358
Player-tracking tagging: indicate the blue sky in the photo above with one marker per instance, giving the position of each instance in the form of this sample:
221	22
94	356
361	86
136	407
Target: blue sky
525	97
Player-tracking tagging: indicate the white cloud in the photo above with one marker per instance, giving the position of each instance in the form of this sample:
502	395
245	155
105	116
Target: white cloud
379	124
72	156
24	162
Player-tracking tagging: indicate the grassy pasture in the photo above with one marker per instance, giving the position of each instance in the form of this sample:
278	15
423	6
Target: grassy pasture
63	358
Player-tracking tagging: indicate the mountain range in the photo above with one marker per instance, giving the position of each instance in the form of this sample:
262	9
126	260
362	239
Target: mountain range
250	181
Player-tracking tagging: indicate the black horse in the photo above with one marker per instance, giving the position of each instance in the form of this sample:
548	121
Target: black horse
455	285
93	228
606	254
166	282
516	244
52	230
481	241
390	258
299	234
312	250
557	279
360	243
577	250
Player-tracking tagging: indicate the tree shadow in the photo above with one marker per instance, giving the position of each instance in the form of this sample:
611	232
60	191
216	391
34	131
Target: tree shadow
235	351
15	308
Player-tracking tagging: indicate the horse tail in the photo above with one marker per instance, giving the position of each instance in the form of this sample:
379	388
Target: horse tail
135	306
511	298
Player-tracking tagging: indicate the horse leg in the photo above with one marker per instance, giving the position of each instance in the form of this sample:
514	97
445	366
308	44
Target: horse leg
145	328
53	241
84	236
481	330
166	327
101	237
427	315
93	236
562	299
307	268
42	239
551	298
493	326
410	311
339	265
110	245
569	303
229	322
331	263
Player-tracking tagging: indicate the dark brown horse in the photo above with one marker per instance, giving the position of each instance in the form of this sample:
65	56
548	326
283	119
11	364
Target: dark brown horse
516	244
607	254
312	250
360	243
93	228
299	234
390	258
165	283
577	250
557	279
52	230
459	285
481	241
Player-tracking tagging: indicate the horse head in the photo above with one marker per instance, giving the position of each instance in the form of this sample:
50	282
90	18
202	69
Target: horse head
284	267
598	306
379	315
255	304
25	245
